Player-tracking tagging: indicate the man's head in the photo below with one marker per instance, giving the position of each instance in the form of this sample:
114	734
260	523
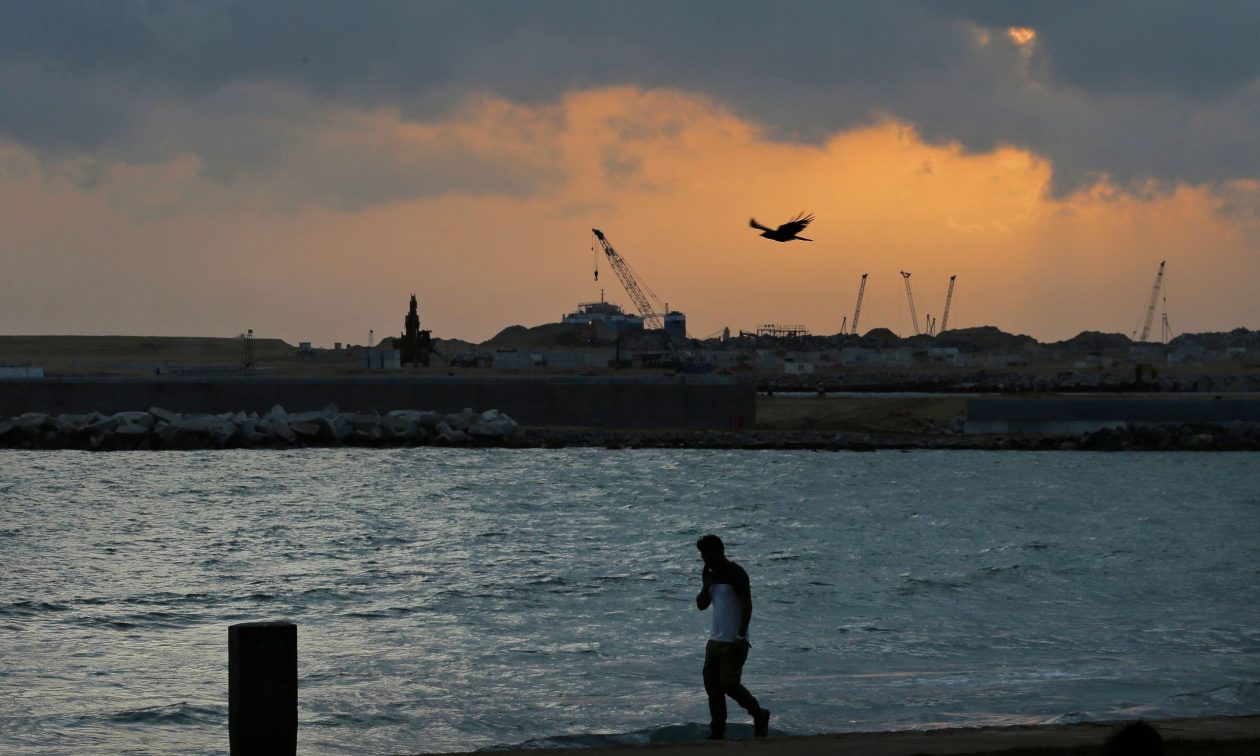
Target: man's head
712	550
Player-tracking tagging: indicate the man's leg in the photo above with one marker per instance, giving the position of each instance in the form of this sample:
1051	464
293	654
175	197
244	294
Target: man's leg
732	671
713	687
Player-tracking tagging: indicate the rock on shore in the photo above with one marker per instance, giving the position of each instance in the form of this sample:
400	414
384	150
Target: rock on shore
161	429
158	428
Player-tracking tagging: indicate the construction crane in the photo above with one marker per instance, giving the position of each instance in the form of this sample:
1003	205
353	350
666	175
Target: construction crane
914	316
1150	307
857	311
949	297
843	323
652	310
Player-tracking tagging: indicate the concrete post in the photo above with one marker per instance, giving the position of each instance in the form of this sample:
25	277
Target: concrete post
262	688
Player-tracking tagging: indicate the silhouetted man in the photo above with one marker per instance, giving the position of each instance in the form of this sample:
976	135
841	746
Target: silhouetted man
725	586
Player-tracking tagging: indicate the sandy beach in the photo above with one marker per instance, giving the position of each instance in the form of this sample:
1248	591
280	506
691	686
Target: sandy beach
1215	736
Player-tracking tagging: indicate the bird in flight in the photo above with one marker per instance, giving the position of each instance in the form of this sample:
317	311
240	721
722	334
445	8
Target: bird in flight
788	231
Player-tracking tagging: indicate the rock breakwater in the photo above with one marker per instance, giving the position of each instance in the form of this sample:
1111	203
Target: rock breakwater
161	429
157	428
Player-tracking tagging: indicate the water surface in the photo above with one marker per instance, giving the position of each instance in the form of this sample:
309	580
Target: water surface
456	599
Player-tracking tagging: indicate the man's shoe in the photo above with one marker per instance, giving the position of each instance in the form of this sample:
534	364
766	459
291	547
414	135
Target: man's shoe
761	724
715	735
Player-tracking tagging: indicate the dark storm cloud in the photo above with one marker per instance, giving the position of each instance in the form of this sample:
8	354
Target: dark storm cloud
1135	90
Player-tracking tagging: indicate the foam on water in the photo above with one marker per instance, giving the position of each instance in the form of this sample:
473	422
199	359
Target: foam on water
459	599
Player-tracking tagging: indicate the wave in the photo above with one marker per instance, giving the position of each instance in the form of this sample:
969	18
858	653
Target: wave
1243	697
181	713
686	732
915	585
31	608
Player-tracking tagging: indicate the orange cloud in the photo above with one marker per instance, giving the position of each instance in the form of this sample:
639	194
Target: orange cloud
1021	35
488	214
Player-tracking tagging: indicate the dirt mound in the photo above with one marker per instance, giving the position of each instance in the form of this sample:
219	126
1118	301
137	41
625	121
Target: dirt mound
984	339
1093	341
546	336
1239	337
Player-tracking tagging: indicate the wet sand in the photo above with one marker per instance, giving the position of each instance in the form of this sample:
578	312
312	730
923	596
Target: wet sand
1216	736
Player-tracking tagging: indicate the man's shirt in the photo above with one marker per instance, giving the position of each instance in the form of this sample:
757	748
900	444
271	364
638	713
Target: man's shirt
729	589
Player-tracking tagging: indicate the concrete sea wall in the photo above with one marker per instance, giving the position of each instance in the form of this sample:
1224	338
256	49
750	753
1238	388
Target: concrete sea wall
1075	416
665	402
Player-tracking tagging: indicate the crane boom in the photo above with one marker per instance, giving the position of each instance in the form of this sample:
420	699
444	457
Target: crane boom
1150	307
857	311
914	316
949	297
651	315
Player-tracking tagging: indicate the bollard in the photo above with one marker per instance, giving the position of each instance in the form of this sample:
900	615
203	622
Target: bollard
262	688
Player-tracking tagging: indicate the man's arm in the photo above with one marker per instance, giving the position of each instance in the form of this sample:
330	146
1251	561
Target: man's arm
744	591
703	599
745	616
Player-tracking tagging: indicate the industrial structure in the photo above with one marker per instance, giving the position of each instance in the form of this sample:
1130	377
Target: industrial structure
1150	306
656	314
777	331
857	310
949	299
914	315
605	314
414	345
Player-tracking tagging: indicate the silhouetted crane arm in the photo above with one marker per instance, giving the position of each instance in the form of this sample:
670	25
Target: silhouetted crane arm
949	298
857	311
651	316
1150	307
914	316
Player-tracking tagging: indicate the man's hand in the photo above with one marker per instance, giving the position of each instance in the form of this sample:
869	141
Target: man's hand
702	598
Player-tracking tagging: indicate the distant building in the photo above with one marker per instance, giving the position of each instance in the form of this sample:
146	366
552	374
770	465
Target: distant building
675	325
375	358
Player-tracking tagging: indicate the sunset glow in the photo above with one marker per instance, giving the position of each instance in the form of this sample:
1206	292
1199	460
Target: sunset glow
1022	35
291	202
671	177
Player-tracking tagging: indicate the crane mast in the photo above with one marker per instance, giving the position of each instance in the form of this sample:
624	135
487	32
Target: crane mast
914	316
857	311
1150	307
949	297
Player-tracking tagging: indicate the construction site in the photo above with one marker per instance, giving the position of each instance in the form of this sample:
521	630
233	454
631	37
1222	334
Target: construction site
637	367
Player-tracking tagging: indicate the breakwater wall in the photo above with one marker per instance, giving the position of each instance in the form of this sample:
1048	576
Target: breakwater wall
1063	416
614	402
159	428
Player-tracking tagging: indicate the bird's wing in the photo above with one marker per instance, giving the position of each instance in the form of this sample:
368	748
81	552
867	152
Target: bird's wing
753	222
797	224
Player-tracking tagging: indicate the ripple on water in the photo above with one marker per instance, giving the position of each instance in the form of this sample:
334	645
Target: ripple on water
466	598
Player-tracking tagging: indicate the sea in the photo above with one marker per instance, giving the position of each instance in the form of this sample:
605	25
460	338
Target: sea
469	599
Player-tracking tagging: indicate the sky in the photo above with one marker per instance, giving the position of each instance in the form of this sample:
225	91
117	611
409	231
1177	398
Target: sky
301	167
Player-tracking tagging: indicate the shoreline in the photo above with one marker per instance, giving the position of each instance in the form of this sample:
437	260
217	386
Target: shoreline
1161	438
1200	736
